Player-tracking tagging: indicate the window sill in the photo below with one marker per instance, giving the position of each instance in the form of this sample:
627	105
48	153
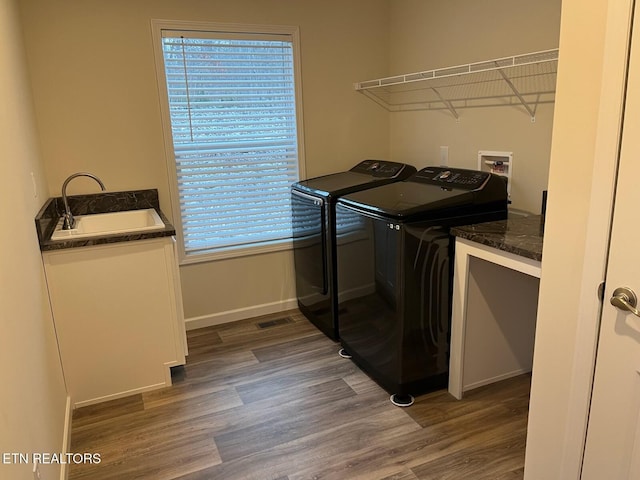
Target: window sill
235	252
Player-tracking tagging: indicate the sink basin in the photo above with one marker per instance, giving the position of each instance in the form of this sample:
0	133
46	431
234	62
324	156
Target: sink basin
99	224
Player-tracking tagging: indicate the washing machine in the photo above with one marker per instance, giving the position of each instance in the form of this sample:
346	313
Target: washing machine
395	269
313	204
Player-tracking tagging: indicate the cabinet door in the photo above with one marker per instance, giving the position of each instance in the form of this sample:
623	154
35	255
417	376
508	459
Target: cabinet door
114	310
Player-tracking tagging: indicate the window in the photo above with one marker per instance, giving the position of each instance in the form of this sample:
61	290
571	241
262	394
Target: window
234	135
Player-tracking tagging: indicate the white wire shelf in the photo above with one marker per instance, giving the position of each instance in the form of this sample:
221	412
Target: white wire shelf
524	80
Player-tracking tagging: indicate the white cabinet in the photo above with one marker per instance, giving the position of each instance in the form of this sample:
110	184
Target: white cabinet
118	317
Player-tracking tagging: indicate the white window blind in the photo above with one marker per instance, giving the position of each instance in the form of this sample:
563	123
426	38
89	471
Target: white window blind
233	121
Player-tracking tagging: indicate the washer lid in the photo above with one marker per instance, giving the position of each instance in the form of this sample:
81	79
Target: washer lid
431	190
334	184
365	174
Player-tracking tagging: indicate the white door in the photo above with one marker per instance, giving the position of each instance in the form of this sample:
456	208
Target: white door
612	449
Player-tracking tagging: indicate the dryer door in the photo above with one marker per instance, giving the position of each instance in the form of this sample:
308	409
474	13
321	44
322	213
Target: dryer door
310	250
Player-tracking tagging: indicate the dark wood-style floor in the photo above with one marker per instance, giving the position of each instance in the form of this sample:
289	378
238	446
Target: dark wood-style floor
273	400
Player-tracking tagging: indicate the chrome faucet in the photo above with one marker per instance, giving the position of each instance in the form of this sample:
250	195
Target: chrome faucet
69	222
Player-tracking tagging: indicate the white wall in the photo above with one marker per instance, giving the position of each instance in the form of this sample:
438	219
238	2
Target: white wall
429	34
33	396
97	108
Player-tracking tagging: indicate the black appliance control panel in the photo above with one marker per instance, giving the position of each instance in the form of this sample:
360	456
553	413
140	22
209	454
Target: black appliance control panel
379	168
451	177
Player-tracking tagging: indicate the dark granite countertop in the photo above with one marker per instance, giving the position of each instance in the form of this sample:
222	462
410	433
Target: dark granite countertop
520	235
48	216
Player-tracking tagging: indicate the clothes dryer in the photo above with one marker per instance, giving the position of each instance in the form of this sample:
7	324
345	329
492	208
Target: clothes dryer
314	223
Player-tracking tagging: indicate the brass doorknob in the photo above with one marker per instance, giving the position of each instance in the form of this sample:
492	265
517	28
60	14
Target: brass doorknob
625	299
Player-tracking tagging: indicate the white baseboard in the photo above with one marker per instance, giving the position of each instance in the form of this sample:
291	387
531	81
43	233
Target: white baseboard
497	378
66	436
240	314
126	393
